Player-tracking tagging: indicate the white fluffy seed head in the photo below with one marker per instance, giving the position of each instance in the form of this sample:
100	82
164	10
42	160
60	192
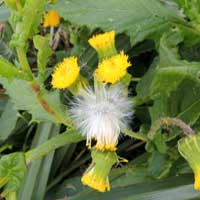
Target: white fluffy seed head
102	113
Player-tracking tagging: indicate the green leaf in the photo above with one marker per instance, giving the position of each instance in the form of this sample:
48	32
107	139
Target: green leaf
9	71
139	19
14	167
70	136
36	176
43	176
159	165
168	71
44	51
177	188
8	121
178	105
172	83
159	141
34	104
168	79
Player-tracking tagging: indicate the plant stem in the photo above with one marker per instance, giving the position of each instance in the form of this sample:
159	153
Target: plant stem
136	79
24	62
170	122
51	36
11	196
70	136
138	136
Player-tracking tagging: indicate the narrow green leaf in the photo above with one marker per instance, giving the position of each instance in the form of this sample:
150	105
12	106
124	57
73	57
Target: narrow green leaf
42	135
43	175
8	121
70	136
44	51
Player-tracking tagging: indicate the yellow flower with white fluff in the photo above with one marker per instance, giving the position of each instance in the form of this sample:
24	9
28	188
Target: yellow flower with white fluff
101	114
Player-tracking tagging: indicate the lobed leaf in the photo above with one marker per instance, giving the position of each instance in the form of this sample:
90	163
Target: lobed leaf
139	19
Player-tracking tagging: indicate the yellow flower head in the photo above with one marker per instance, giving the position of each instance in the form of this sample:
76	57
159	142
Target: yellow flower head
112	69
197	180
189	148
95	182
66	73
52	18
104	44
96	176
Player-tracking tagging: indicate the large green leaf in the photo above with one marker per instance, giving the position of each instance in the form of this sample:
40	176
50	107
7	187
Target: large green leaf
172	83
24	98
139	19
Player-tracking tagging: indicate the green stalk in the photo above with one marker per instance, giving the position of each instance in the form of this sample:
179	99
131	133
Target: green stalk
169	122
24	62
70	136
11	196
138	136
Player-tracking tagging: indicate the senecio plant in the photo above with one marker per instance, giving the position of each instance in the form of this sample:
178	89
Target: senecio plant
99	111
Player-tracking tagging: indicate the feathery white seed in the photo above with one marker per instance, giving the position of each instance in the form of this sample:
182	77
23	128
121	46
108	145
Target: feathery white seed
102	113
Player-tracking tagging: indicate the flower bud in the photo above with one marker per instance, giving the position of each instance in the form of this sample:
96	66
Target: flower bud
96	176
104	44
189	148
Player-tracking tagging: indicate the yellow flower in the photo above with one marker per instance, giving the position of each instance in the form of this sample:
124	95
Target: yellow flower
112	69
66	73
104	44
189	148
52	18
95	182
96	176
197	180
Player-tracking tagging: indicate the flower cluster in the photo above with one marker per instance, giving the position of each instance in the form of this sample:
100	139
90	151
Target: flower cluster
100	112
